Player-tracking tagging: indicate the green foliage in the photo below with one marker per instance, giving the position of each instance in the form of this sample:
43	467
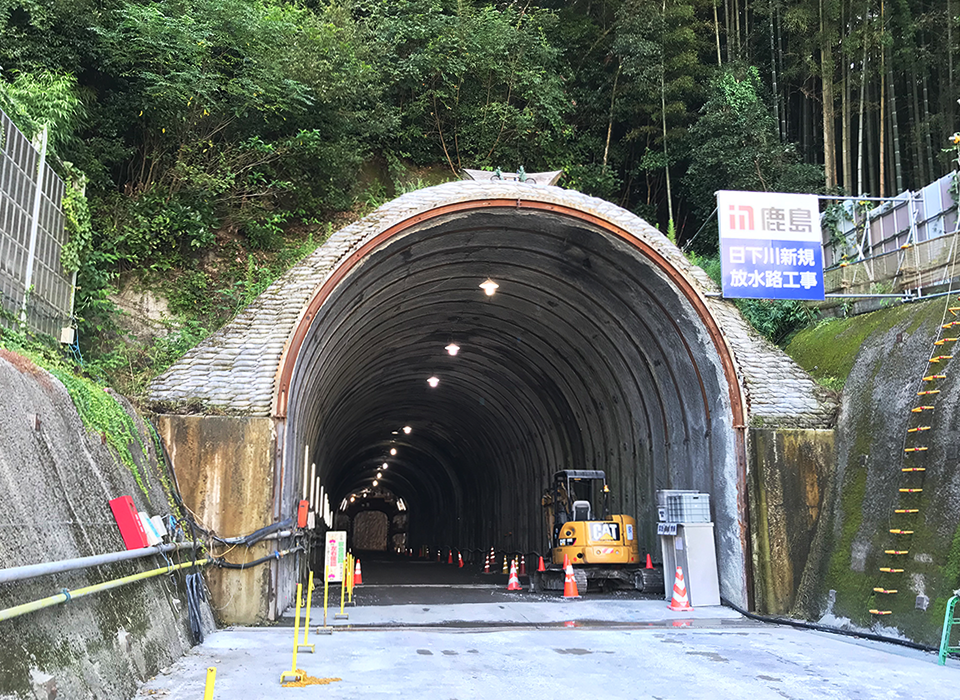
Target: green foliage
36	100
735	143
99	410
776	319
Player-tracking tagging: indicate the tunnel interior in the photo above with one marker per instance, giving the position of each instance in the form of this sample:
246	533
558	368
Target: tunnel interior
587	356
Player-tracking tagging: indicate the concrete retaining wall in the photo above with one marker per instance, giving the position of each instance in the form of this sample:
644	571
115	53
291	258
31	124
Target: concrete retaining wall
55	484
790	469
225	467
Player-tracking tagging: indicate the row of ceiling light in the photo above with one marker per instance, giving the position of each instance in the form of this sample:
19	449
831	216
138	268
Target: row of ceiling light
489	288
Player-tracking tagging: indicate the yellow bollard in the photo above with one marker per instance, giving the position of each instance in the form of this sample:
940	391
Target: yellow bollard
343	587
211	681
294	671
306	624
350	579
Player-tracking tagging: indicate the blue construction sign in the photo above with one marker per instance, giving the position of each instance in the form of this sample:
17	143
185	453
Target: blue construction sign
770	245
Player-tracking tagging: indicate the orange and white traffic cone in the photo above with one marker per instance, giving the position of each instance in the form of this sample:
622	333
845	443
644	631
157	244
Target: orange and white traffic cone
450	557
540	566
523	566
514	583
460	557
357	576
649	563
680	602
486	565
569	582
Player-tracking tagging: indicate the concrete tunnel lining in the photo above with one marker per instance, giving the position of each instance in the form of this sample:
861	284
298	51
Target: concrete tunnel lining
619	366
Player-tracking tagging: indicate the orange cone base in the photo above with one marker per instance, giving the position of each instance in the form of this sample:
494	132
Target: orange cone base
570	583
684	606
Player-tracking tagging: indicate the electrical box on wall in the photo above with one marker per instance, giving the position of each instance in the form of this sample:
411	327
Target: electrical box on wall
128	520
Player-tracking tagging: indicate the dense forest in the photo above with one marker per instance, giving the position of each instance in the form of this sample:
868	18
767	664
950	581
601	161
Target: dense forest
218	140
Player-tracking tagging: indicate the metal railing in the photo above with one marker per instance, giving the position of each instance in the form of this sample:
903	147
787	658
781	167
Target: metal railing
34	288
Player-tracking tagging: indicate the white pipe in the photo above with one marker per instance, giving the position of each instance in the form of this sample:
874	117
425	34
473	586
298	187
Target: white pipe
19	573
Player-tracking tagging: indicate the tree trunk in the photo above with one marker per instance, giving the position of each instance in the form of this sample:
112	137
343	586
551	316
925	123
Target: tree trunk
716	31
927	131
613	98
783	102
829	116
872	129
919	172
773	73
951	92
663	116
883	101
861	183
846	149
897	168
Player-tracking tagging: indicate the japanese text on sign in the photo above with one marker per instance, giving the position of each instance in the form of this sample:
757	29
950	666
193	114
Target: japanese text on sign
336	552
770	245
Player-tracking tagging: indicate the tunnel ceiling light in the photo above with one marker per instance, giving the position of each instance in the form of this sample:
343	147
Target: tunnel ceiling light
353	498
452	349
433	382
379	475
375	482
393	453
384	465
407	430
489	287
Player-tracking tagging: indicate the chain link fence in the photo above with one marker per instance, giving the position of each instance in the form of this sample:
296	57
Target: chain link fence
34	288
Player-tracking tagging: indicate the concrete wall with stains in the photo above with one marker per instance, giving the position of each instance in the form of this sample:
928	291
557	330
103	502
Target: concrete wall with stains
789	475
225	469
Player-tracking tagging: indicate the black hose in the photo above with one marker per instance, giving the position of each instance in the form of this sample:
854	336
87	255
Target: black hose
270	557
196	594
832	630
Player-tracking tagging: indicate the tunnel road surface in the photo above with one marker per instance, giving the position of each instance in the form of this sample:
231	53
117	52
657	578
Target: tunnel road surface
461	637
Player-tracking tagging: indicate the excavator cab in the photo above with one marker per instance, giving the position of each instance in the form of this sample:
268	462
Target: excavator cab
578	518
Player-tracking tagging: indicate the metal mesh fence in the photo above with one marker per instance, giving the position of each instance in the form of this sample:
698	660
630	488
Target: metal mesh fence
32	280
905	244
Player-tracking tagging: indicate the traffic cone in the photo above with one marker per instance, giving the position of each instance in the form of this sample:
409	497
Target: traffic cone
450	557
540	566
569	583
357	577
504	564
514	583
680	602
438	555
523	566
460	557
486	565
649	563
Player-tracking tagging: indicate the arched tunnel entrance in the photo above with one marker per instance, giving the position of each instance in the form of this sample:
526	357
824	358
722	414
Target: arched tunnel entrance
594	352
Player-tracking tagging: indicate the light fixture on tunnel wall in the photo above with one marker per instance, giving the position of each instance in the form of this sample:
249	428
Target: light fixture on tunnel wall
384	465
407	430
375	482
353	498
433	382
489	287
393	451
401	505
452	349
379	475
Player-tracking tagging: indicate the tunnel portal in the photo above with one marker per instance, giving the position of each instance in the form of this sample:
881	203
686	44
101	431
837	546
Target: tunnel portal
592	353
601	348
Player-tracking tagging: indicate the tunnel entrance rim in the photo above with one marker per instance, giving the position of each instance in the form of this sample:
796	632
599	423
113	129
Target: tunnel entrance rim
291	352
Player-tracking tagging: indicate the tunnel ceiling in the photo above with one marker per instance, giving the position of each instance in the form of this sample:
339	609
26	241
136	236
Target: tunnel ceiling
587	357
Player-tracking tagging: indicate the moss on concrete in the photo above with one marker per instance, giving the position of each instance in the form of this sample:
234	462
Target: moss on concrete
829	349
881	357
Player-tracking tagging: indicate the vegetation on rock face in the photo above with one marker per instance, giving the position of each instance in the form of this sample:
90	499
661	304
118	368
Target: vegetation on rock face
216	137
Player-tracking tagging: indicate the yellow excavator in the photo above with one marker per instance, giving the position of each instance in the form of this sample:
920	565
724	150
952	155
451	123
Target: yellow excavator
603	548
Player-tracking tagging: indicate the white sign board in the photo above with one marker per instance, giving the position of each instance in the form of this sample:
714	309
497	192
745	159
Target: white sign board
335	554
771	246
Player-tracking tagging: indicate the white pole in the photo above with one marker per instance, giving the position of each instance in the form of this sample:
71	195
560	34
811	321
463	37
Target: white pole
34	222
